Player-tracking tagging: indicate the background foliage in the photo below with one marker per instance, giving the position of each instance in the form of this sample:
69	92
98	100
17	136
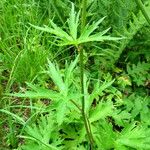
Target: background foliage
40	98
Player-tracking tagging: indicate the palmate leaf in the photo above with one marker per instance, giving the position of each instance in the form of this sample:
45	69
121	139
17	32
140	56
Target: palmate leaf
60	98
71	37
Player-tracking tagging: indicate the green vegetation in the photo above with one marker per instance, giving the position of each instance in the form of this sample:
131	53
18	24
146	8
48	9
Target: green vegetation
75	75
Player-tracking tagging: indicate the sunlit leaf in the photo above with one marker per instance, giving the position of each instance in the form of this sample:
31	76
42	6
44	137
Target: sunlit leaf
70	37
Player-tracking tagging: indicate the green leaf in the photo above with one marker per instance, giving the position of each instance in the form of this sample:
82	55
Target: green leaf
19	119
139	72
69	71
98	90
121	117
56	77
102	110
135	137
37	93
104	135
70	37
61	112
73	23
39	134
90	28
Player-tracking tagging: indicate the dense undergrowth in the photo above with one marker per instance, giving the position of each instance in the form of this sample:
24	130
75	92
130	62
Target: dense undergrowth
75	75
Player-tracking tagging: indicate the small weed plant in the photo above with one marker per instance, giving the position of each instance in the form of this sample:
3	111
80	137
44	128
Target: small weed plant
75	75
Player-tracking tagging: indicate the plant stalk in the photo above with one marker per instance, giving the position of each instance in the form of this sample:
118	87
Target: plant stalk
142	8
85	119
80	50
83	11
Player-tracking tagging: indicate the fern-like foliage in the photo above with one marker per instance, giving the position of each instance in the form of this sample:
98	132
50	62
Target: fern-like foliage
129	31
42	135
138	107
62	92
125	20
134	26
139	73
132	136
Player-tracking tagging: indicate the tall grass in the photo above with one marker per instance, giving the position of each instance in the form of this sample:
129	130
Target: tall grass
20	48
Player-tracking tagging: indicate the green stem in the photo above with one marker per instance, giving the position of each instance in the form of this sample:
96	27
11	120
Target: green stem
80	50
85	119
76	105
142	8
83	17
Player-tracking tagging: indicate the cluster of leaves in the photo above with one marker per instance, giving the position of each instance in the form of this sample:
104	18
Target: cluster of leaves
42	97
